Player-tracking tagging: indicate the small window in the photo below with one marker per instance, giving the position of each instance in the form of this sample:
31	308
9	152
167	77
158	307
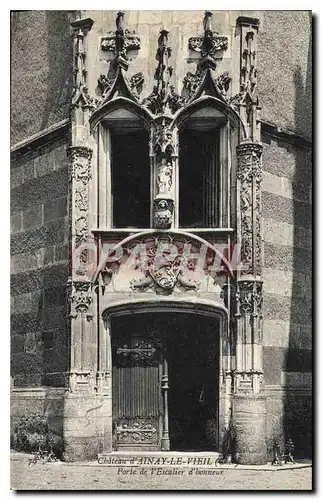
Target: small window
199	178
130	178
48	340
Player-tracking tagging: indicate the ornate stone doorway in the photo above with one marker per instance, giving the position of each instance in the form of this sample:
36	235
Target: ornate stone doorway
165	381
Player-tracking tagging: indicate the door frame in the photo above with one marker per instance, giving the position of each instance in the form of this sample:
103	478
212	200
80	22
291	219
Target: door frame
201	306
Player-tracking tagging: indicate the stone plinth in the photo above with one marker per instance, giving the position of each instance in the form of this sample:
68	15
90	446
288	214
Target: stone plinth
250	424
87	427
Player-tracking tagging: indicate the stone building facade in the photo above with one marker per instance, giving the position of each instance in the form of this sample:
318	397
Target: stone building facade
161	228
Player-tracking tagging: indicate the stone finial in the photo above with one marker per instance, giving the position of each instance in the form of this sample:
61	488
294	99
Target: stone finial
121	41
163	97
208	44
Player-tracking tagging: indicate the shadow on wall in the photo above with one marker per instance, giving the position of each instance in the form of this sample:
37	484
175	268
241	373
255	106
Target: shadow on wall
297	400
60	73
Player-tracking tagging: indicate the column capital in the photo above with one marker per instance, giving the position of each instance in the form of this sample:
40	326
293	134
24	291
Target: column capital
247	146
81	381
82	25
79	151
253	22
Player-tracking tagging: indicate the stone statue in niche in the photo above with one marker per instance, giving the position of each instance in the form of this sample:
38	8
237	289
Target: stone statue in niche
164	179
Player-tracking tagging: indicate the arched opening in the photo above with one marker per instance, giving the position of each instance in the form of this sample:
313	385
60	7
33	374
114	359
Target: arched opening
200	171
208	133
130	174
124	192
121	130
166	365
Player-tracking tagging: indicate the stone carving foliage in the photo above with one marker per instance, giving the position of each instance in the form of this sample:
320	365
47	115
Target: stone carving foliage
120	42
80	158
136	84
131	42
209	44
163	97
222	83
249	174
212	45
104	84
235	101
162	138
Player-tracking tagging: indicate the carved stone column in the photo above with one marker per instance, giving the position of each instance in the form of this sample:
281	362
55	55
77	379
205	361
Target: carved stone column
163	102
104	385
164	164
81	439
249	405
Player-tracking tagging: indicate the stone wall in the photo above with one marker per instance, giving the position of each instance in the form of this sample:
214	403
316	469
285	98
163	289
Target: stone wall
41	70
39	265
285	69
45	401
287	274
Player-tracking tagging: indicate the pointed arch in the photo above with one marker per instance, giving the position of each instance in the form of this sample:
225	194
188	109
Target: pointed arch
208	101
120	103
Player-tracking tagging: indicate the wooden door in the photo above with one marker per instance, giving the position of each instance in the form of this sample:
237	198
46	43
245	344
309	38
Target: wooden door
137	402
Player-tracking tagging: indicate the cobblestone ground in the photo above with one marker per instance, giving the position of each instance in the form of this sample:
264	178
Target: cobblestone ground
61	476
